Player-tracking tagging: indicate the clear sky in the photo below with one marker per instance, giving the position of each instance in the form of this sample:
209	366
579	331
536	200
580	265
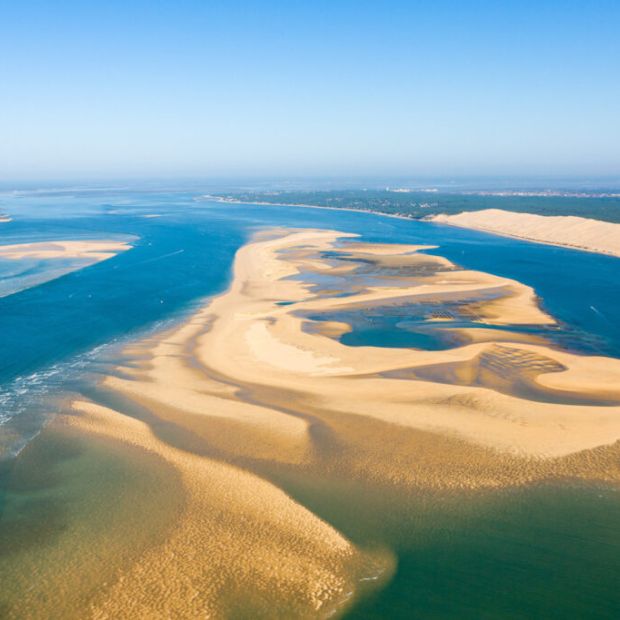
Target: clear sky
313	87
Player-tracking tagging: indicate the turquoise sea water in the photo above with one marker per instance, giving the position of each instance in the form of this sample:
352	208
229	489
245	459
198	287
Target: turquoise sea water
525	551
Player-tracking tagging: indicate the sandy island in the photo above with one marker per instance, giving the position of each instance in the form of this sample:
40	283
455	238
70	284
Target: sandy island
52	259
91	251
568	231
251	390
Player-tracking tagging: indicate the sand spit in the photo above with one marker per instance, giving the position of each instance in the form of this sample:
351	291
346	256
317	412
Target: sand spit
514	394
569	231
93	251
255	377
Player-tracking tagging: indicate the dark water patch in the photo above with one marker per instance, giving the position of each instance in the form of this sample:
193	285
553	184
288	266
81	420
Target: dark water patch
388	266
31	514
388	334
544	551
547	552
30	524
436	326
400	325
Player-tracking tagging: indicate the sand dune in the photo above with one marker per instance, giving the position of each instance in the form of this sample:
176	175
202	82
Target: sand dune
574	232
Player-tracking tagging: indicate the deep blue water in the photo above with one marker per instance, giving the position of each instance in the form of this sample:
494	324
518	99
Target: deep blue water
186	254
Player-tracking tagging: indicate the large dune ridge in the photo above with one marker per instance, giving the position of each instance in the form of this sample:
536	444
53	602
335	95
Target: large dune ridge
250	392
569	231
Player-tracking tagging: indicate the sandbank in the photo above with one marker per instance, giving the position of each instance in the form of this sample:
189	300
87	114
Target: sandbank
246	342
93	251
239	538
52	260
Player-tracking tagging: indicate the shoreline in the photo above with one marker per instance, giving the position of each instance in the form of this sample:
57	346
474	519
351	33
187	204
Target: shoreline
446	220
304	206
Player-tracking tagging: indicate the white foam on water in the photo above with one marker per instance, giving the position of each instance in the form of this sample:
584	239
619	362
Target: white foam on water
37	395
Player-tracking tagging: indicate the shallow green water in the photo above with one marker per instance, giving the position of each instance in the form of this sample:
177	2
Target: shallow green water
537	553
73	509
545	551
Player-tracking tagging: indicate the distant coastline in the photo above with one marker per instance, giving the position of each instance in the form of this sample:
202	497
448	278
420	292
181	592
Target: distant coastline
602	237
399	216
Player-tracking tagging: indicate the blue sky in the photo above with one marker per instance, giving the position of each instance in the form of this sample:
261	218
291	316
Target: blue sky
208	88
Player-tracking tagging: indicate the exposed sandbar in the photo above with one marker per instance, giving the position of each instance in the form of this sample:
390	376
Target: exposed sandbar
239	544
53	259
248	342
93	251
251	340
